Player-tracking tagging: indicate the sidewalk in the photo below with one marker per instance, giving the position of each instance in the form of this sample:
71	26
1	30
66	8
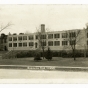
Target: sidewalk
50	68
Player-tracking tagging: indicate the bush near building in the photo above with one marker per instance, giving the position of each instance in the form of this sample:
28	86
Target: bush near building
48	54
23	54
64	54
37	57
69	54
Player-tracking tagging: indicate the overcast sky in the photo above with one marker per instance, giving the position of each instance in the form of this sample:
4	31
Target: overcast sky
26	18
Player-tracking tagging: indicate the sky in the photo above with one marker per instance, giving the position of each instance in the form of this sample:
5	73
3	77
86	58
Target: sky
26	18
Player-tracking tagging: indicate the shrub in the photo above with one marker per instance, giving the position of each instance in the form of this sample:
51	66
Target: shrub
37	56
79	54
48	54
23	54
70	54
55	54
64	54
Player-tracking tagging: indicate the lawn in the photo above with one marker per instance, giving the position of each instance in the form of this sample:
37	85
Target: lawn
56	61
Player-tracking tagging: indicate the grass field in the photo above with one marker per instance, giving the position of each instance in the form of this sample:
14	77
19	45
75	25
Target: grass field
56	61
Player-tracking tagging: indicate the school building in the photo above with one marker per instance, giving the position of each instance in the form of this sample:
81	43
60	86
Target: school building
56	40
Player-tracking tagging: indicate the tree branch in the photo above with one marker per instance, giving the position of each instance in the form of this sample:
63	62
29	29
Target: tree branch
2	28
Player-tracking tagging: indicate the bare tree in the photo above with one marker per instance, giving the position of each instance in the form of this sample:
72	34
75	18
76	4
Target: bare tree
4	27
73	38
42	40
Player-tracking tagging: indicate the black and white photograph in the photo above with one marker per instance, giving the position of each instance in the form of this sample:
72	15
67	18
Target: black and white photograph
43	43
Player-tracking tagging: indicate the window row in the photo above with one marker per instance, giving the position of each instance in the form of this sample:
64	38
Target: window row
43	36
56	43
50	43
21	38
50	36
21	44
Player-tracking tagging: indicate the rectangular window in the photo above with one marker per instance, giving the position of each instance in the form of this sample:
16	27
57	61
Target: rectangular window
64	43
43	36
87	42
50	43
25	44
43	43
72	42
56	43
24	37
20	44
14	44
20	38
31	44
87	35
5	40
50	36
36	36
10	44
1	41
31	37
10	38
64	35
36	45
72	34
56	35
14	38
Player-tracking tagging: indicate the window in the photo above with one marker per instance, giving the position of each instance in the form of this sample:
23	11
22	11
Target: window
56	43
1	41
24	37
64	43
50	36
20	38
31	43
36	45
87	35
5	40
14	44
43	36
10	44
31	37
10	38
50	43
56	35
72	42
36	36
20	44
72	34
64	35
43	43
14	38
25	44
87	42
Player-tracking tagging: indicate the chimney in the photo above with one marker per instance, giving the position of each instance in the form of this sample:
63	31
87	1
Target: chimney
42	28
